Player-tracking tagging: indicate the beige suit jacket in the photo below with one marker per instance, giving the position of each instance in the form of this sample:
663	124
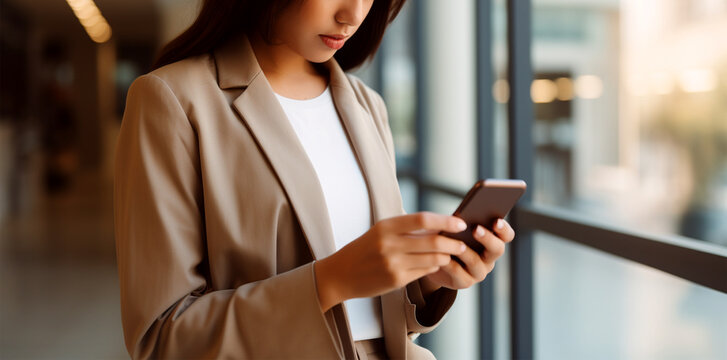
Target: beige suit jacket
219	216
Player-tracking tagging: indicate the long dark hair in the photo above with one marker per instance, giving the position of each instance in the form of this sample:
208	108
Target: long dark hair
219	20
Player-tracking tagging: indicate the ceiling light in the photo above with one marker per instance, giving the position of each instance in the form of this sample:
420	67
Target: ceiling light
565	88
543	91
90	17
589	87
698	80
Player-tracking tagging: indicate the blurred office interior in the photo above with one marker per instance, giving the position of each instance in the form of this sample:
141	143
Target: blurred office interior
615	111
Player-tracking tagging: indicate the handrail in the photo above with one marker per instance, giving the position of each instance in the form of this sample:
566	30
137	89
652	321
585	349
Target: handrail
693	260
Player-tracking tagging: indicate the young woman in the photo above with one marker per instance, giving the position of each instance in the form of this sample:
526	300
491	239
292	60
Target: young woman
257	211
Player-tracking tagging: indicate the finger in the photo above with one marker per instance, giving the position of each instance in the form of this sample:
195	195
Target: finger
490	266
461	279
432	244
474	264
427	221
494	247
417	273
421	232
503	230
418	261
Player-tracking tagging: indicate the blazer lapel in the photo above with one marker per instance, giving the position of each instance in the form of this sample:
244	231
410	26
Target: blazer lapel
370	150
383	188
261	112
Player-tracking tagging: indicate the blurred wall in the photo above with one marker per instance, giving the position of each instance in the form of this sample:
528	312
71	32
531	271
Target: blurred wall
176	16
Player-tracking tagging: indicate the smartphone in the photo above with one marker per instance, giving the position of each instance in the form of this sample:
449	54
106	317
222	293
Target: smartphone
487	201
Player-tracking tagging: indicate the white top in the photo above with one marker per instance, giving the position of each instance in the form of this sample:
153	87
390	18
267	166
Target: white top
321	133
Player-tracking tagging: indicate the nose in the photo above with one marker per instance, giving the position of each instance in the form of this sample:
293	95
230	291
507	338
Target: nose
353	12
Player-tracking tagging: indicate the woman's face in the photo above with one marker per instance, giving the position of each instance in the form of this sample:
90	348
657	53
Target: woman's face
316	29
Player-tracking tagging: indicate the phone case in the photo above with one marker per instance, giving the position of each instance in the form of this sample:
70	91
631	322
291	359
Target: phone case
487	201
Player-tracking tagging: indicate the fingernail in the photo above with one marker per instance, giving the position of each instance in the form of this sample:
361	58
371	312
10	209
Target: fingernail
500	224
462	248
461	225
480	232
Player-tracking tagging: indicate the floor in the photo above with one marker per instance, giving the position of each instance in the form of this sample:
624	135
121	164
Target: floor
60	295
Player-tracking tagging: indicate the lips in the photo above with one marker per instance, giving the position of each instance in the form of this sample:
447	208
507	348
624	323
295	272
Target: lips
334	42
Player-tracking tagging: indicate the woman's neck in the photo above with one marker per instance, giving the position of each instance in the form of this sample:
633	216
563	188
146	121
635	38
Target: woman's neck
288	73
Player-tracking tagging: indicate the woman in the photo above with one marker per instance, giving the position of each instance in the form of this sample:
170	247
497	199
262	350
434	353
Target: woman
257	210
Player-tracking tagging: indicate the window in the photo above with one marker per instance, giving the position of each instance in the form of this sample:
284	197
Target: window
630	113
611	111
589	304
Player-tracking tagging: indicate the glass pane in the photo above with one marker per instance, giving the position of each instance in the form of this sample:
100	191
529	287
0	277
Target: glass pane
457	337
591	305
631	113
408	188
450	92
399	84
500	87
500	92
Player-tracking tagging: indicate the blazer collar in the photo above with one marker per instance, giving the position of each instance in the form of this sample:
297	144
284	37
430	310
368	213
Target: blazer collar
260	111
236	63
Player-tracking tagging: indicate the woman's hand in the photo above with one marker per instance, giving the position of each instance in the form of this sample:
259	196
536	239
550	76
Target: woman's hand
454	276
393	253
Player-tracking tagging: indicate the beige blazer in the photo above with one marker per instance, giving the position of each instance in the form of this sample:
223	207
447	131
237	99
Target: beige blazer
219	216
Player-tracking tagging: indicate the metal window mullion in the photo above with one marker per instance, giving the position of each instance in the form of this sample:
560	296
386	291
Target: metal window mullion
420	121
520	118
378	67
420	158
485	159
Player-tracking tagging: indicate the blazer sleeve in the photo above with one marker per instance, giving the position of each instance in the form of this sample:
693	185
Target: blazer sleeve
168	307
427	312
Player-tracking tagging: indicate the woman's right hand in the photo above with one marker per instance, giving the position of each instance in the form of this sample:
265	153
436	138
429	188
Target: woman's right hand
393	253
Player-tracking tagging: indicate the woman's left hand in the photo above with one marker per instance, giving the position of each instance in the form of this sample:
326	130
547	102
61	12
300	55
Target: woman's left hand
454	276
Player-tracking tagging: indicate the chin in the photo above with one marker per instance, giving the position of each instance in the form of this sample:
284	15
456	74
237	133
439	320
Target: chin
321	58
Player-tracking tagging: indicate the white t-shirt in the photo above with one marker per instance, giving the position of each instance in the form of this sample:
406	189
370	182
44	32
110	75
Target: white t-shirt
321	133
